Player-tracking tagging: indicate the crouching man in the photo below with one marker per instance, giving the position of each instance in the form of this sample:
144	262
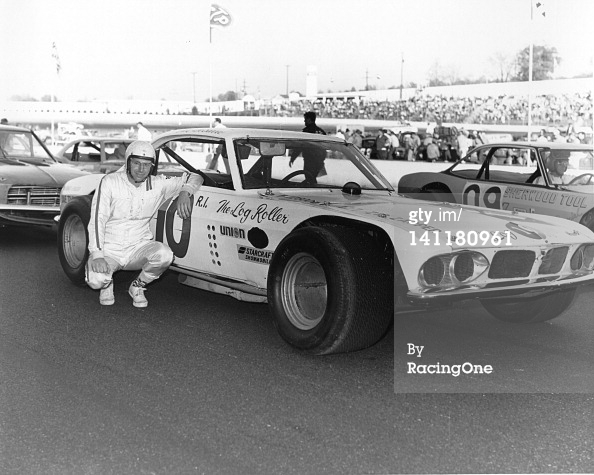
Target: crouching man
119	233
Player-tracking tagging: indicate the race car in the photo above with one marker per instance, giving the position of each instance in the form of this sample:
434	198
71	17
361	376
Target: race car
515	176
335	255
99	154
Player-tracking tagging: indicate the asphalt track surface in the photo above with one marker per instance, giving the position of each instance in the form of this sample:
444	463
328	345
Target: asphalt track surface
201	383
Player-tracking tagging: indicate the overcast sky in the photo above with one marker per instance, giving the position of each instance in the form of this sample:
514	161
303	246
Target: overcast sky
149	49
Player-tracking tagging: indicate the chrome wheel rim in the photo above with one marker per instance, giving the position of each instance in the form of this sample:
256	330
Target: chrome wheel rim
304	291
74	241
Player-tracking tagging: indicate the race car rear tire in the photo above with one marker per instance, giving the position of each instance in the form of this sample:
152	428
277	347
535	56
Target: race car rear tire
330	290
588	220
73	239
530	310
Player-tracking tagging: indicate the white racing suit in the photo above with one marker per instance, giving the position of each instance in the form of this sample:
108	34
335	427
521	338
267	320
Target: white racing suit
119	226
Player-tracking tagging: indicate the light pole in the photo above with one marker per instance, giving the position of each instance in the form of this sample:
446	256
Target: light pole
194	85
401	73
287	66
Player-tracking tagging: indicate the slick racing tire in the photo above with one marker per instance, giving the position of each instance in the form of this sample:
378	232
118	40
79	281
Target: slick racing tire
530	309
73	239
330	290
588	220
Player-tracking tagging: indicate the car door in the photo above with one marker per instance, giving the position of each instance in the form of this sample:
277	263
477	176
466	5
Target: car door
506	181
222	238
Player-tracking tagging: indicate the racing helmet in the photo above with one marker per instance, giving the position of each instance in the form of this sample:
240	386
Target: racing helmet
555	157
140	149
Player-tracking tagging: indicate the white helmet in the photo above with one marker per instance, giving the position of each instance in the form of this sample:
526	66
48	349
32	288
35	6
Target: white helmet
141	149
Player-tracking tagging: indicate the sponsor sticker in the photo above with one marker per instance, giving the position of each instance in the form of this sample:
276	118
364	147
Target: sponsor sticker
251	254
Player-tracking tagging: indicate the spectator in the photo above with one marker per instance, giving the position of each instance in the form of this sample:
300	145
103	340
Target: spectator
313	160
357	138
142	133
382	145
463	143
394	145
432	151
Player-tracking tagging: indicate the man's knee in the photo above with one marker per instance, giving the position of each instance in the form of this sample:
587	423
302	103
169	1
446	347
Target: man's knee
163	256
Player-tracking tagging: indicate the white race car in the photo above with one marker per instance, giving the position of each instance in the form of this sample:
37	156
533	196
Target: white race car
335	255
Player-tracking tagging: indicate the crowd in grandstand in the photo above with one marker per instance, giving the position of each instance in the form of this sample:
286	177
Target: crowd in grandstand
547	110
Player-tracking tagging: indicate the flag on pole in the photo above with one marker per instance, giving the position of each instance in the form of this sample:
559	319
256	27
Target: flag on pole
219	18
56	57
539	9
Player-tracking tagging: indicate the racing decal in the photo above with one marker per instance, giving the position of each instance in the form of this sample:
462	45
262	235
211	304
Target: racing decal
258	238
573	201
547	197
165	218
202	201
525	231
262	213
259	256
522	194
490	198
232	232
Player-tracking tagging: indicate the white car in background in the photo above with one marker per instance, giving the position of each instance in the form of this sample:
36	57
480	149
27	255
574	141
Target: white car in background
337	254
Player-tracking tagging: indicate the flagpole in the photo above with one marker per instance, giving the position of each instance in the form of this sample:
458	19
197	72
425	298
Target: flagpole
53	91
210	77
530	61
219	17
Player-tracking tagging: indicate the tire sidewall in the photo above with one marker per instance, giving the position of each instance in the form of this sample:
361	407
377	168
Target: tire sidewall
80	208
332	256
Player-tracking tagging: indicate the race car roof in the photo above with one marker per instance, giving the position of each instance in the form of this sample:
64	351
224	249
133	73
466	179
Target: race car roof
238	133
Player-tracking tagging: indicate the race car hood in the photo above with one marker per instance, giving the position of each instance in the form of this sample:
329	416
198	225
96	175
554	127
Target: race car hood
16	172
415	215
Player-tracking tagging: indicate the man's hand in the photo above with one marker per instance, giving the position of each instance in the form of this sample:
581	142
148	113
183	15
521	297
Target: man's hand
184	205
99	265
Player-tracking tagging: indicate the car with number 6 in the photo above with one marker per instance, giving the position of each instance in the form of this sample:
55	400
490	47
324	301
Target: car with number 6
515	176
337	254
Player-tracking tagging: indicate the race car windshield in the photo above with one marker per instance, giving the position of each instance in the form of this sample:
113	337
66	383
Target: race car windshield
23	146
291	163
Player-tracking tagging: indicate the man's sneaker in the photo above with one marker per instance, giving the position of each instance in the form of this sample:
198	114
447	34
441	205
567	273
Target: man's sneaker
136	291
106	295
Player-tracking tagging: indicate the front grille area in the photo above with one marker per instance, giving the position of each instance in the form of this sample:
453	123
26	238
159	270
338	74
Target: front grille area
553	260
34	196
511	264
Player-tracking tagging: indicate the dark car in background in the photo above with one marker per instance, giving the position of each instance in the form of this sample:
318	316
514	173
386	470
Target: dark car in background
30	179
95	154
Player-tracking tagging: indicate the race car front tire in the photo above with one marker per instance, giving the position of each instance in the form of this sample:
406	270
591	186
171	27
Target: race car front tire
532	309
330	290
73	239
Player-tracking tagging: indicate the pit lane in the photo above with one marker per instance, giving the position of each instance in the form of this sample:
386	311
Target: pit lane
199	382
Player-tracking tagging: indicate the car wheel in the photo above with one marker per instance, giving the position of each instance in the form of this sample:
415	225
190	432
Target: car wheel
532	309
73	239
330	290
588	220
